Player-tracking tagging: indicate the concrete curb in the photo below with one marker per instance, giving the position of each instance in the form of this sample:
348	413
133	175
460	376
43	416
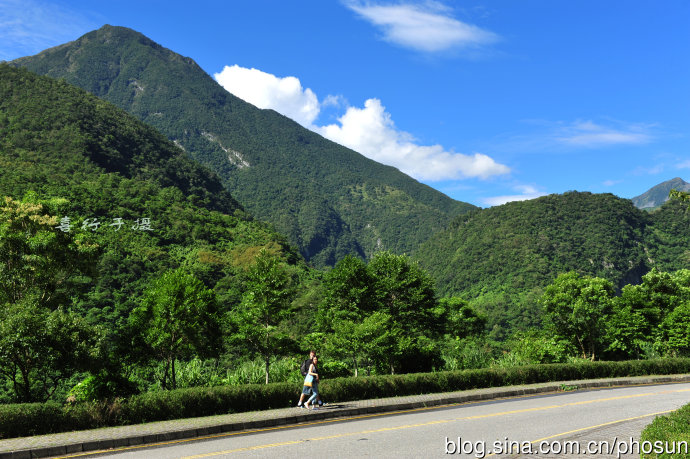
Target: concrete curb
387	405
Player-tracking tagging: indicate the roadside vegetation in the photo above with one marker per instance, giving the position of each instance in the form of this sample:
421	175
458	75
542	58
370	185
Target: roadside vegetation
130	279
668	436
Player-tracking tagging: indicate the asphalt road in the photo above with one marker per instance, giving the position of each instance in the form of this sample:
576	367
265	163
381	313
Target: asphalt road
596	421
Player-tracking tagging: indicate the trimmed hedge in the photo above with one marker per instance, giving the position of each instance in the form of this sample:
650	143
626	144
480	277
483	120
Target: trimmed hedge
665	432
37	418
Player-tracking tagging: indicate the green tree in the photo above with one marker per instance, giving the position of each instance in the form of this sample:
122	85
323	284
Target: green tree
349	290
40	344
178	318
640	310
463	320
657	295
406	292
264	306
675	331
40	348
372	340
578	308
626	331
680	195
392	293
36	259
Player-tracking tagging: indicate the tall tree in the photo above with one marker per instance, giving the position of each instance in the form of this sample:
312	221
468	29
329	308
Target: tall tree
577	308
640	310
264	306
40	343
348	290
178	318
391	293
675	331
40	348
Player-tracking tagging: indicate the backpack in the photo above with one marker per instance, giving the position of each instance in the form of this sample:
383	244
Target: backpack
304	368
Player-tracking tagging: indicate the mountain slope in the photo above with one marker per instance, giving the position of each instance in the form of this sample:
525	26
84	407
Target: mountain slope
657	195
526	244
502	257
669	238
57	141
328	200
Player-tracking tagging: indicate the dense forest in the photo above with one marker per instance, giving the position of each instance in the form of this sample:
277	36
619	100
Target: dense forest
328	201
126	267
123	203
501	258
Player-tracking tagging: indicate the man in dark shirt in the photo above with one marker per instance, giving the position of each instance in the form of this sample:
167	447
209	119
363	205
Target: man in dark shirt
306	391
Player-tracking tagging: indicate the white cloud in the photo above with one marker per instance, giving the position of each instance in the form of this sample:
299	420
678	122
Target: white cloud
684	165
590	134
426	27
284	95
526	192
369	130
611	182
30	26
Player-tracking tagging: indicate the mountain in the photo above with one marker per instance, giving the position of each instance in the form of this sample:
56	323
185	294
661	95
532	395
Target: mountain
111	172
501	258
330	201
657	195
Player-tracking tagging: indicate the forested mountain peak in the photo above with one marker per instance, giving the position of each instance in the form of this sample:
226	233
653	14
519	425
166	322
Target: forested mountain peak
501	257
328	200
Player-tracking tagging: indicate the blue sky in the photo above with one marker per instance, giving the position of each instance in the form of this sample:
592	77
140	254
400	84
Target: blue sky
486	101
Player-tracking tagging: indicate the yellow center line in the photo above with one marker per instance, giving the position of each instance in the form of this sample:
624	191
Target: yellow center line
595	426
442	421
366	416
292	426
602	425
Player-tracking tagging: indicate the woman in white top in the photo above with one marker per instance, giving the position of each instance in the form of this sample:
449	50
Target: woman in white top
314	373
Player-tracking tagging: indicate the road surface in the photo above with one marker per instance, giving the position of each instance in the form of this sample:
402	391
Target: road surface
600	423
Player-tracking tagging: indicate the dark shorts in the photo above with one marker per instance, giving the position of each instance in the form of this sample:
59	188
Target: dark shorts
306	390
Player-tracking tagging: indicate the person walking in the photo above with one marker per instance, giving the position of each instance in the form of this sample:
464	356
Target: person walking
313	378
304	368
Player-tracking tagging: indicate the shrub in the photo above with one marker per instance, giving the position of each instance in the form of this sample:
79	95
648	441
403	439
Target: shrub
25	419
34	419
669	430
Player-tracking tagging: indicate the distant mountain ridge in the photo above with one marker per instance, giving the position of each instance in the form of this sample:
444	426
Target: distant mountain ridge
502	257
657	195
328	200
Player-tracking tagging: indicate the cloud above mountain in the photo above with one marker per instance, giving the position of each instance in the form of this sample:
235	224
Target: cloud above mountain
525	192
369	130
284	95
